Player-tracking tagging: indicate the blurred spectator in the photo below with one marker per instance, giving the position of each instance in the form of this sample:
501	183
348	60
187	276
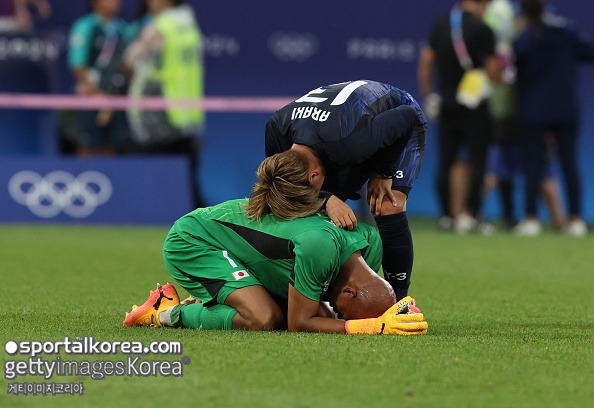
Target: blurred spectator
502	154
503	163
548	52
97	42
166	60
463	49
15	15
503	157
141	18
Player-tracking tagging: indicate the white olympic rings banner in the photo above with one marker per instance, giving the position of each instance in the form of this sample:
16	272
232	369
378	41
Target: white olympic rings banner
60	191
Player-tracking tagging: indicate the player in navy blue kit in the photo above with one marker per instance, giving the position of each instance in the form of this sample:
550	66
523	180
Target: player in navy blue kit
356	132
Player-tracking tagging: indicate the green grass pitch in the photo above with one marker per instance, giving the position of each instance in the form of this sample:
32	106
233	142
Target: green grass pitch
510	325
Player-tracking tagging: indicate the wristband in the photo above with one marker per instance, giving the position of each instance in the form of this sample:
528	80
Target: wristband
326	196
385	176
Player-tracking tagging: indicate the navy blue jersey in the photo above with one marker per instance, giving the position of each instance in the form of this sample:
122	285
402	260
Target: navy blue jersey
357	128
548	57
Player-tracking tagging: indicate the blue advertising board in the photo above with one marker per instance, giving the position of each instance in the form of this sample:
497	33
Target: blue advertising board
133	190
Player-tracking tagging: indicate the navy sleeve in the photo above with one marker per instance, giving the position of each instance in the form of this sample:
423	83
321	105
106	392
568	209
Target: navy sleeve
388	134
274	141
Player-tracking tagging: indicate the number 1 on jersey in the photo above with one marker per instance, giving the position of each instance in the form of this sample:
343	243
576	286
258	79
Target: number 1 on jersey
231	261
341	98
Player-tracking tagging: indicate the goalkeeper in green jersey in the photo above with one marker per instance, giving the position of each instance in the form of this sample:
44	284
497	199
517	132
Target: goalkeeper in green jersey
271	262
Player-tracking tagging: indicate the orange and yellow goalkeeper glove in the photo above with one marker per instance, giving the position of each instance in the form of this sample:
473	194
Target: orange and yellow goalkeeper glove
395	320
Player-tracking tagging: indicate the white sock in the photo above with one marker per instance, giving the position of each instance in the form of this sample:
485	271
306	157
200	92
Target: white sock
165	318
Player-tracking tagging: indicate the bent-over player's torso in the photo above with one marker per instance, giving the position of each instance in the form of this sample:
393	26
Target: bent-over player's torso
306	252
330	113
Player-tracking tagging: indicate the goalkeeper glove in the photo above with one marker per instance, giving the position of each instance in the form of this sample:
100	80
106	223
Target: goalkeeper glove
395	320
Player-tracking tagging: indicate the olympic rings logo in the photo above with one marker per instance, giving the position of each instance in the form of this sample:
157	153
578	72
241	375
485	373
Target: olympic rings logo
298	47
60	191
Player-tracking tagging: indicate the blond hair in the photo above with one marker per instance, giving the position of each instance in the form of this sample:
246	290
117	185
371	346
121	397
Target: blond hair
283	188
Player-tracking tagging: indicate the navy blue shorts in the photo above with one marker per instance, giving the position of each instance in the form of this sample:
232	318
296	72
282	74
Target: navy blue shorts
410	161
346	180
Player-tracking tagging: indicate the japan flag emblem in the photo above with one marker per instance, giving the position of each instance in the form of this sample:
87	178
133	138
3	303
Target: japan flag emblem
240	275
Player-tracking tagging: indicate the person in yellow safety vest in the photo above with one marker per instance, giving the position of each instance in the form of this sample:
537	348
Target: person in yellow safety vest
166	60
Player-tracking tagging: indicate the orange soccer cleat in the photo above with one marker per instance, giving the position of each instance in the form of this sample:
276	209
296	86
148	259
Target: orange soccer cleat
160	299
190	300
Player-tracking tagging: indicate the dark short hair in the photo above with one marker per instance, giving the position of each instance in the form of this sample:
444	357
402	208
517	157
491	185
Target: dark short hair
533	9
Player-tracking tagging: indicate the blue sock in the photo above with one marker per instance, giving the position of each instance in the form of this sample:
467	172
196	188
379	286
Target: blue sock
398	251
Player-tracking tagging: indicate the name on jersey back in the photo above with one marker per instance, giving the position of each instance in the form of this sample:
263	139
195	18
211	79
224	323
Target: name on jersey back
311	112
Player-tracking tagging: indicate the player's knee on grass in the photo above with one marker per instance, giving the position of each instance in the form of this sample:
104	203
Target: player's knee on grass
268	320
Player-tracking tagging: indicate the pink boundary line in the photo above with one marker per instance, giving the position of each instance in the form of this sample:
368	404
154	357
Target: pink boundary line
210	104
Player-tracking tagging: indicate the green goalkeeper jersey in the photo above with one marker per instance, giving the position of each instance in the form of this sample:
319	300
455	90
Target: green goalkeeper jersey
305	252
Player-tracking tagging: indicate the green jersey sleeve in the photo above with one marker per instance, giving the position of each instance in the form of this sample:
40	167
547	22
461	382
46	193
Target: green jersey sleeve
317	262
319	254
